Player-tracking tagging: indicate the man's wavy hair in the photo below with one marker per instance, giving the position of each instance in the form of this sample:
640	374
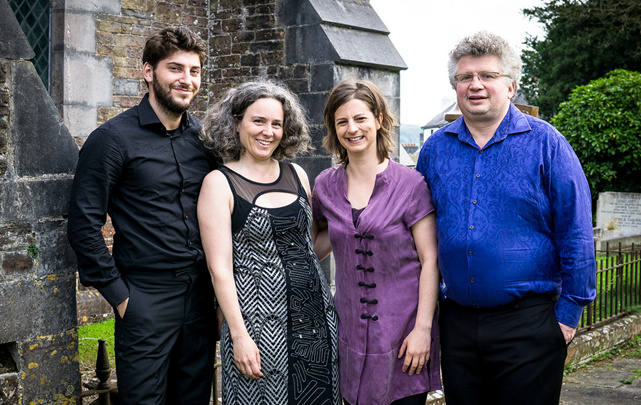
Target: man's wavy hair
170	40
370	94
219	133
487	44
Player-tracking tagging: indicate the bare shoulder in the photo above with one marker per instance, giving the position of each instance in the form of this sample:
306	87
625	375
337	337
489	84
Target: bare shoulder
215	182
301	173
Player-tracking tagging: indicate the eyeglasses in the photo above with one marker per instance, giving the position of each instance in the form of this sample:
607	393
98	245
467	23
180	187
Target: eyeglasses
484	77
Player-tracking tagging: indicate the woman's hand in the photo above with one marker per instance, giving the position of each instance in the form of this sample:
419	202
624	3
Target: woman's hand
247	357
416	348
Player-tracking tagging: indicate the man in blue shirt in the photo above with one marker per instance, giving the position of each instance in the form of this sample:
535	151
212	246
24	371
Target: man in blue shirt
514	228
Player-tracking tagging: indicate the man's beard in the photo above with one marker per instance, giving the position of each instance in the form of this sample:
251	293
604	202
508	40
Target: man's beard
167	102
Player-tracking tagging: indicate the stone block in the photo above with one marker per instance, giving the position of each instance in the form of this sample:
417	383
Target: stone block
251	59
297	85
231	25
364	48
267	46
39	198
14	235
17	264
270	34
220	44
42	145
323	77
227	61
308	44
94	6
80	32
168	13
49	368
354	14
33	306
125	87
80	119
55	256
314	103
13	43
259	22
298	12
10	389
15	309
274	58
95	91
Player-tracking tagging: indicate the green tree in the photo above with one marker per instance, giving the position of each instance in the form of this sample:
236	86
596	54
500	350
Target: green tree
602	122
584	40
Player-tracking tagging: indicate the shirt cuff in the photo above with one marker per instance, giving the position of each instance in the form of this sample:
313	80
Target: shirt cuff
567	312
115	293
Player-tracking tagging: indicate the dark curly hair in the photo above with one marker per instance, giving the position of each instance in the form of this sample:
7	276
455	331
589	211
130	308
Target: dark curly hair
219	133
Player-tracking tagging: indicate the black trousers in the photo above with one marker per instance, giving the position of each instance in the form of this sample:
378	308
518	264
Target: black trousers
509	355
165	343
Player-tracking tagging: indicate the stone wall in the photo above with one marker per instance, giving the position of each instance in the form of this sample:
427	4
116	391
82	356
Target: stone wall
38	340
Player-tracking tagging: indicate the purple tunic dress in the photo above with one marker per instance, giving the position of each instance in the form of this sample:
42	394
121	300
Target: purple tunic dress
377	281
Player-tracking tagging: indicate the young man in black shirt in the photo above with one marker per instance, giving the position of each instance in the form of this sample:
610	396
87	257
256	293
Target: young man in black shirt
144	168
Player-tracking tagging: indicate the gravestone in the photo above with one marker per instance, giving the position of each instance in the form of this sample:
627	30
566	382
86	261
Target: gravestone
618	220
619	214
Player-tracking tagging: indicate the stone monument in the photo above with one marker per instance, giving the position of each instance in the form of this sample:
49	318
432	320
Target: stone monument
38	338
618	218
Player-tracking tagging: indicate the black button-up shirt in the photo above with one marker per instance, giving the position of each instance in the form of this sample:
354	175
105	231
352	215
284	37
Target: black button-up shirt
147	179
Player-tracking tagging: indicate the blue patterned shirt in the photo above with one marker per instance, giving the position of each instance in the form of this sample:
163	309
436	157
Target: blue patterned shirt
513	218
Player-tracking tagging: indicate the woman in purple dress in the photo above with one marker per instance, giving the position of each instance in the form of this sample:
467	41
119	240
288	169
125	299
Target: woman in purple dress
377	217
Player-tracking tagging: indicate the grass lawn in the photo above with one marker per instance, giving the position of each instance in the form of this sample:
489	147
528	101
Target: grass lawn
88	336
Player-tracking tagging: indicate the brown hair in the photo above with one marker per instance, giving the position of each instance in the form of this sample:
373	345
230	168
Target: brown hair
170	40
370	94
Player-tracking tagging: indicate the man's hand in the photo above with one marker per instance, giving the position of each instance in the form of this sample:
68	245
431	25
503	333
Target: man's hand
122	308
568	332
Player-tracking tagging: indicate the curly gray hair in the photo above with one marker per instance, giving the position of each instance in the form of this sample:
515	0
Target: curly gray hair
487	44
219	133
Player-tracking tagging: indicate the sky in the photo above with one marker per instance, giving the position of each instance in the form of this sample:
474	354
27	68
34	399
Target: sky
424	32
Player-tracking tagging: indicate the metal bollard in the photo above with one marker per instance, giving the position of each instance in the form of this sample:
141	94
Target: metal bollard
103	371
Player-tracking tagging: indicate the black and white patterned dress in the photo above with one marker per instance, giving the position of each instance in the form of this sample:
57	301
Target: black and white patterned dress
284	299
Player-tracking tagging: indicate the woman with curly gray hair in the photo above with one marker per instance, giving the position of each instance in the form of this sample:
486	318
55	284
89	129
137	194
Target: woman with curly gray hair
279	338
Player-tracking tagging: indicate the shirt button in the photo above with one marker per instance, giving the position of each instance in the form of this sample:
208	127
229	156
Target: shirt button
474	201
472	280
469	254
471	226
478	175
481	151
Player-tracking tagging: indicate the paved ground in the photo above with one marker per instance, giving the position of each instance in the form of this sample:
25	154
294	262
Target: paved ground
616	380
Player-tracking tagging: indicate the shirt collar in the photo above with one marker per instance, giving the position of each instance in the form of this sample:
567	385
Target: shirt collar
148	117
514	122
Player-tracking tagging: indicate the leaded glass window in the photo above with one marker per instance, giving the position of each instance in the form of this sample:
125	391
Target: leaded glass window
34	17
